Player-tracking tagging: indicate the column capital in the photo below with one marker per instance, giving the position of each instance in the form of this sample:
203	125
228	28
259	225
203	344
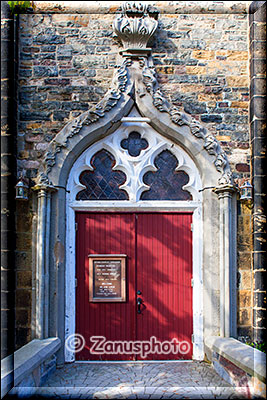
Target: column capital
45	188
225	191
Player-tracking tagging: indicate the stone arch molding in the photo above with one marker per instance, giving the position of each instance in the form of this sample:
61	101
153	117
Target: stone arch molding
134	83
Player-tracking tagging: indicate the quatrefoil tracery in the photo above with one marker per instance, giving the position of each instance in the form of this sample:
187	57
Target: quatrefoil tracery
134	144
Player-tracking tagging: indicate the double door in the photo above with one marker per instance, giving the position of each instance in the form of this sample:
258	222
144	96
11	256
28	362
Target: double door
156	313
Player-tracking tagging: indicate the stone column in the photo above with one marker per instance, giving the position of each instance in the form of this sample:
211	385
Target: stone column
258	145
227	265
42	261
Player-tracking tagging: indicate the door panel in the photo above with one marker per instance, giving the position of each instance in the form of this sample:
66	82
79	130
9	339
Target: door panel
164	265
105	234
159	265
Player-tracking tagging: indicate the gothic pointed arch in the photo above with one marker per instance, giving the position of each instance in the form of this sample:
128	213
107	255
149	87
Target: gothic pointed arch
135	84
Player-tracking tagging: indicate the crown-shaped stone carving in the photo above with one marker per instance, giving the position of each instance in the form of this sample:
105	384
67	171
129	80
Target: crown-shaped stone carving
135	25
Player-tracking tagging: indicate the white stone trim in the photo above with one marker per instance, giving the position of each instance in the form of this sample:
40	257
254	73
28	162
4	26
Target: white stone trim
136	166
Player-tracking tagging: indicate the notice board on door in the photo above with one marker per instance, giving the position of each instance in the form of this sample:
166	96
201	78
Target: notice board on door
107	277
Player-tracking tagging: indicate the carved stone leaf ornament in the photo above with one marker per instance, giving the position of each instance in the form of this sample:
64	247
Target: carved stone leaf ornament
135	24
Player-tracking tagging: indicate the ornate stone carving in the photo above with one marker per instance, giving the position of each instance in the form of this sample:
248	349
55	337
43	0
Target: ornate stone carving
136	24
135	166
210	143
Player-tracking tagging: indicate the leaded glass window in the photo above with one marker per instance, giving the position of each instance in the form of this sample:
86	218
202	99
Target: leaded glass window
102	183
166	183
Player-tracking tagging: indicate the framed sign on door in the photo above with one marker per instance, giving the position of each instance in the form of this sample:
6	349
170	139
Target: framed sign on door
107	277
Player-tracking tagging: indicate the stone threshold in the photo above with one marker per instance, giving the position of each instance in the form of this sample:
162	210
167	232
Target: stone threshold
18	366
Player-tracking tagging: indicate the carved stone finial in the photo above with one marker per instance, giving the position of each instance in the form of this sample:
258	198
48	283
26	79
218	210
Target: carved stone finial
135	25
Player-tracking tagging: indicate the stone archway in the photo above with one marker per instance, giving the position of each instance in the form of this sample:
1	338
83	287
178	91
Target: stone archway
135	85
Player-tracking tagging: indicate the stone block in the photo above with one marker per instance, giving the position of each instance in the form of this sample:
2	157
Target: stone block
23	298
237	81
49	39
23	318
258	107
235	55
203	54
259	260
258	49
259	318
257	31
196	70
240	167
258	67
257	11
23	241
243	299
259	280
22	336
244	260
45	71
24	279
57	82
258	129
245	281
211	118
240	104
35	116
244	317
259	299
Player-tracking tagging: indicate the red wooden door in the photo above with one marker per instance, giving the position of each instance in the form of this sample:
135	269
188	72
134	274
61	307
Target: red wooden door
164	273
104	233
159	267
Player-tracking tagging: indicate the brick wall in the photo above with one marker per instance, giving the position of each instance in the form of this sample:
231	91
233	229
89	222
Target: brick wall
66	65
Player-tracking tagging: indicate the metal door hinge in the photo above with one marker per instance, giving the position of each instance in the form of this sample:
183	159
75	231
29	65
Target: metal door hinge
76	226
76	282
192	339
192	227
192	282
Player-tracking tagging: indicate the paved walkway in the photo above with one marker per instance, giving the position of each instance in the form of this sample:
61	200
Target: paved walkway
174	380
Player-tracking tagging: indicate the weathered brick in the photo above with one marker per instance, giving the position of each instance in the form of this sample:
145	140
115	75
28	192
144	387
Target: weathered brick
244	298
203	54
45	71
239	104
242	167
211	118
237	81
24	279
244	317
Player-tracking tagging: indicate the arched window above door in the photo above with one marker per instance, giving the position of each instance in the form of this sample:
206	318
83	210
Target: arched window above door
137	164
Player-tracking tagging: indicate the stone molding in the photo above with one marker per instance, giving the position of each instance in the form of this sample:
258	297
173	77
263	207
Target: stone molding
248	360
170	7
19	366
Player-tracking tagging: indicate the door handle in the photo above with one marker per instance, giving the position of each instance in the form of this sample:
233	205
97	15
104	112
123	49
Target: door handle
139	303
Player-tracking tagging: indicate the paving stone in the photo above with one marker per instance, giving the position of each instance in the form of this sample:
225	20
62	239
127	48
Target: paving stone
156	380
